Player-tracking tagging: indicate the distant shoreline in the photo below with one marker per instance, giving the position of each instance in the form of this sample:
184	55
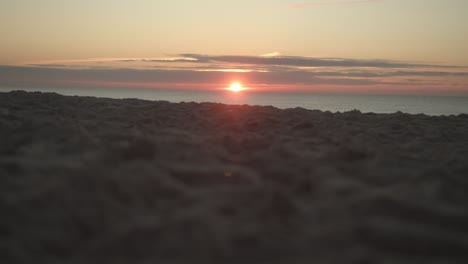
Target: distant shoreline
412	104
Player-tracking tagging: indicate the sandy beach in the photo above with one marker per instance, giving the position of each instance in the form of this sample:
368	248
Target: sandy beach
94	180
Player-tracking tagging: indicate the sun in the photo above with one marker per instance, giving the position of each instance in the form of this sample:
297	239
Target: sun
236	87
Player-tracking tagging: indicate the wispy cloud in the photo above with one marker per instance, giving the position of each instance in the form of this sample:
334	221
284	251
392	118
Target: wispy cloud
104	60
200	71
296	61
271	54
270	60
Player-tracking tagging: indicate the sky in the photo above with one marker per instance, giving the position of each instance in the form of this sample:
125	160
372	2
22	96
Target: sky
362	46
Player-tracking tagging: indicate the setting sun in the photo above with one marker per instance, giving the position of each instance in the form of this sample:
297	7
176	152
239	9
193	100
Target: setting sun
236	87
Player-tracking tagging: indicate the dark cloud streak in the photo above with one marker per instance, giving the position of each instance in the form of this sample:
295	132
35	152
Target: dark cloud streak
307	61
200	69
30	75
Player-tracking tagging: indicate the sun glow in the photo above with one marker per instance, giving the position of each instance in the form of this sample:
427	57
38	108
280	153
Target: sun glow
236	87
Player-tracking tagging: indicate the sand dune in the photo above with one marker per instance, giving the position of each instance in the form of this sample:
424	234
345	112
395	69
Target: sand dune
93	180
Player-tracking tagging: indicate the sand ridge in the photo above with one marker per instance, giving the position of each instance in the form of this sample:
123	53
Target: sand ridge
95	180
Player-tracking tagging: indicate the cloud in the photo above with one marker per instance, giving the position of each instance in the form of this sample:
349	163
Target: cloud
40	76
197	71
48	65
43	76
272	54
108	60
306	61
270	61
392	73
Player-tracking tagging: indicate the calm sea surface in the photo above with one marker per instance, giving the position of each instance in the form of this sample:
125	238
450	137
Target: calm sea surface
430	105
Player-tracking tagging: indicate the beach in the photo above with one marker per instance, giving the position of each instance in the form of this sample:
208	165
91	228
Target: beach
96	180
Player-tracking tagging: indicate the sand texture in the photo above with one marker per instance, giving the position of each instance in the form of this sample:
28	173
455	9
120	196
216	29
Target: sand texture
92	180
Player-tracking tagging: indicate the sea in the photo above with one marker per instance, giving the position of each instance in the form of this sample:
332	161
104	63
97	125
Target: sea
412	104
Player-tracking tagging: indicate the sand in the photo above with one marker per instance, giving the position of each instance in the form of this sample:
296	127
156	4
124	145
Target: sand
93	180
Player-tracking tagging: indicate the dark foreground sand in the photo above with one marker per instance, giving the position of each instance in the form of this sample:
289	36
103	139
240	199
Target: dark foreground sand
88	180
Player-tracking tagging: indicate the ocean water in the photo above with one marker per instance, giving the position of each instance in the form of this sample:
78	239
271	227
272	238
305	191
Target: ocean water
429	105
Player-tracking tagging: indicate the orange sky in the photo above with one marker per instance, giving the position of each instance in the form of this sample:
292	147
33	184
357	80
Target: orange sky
361	46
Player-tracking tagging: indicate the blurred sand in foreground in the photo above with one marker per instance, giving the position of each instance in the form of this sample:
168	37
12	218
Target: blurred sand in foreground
93	180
